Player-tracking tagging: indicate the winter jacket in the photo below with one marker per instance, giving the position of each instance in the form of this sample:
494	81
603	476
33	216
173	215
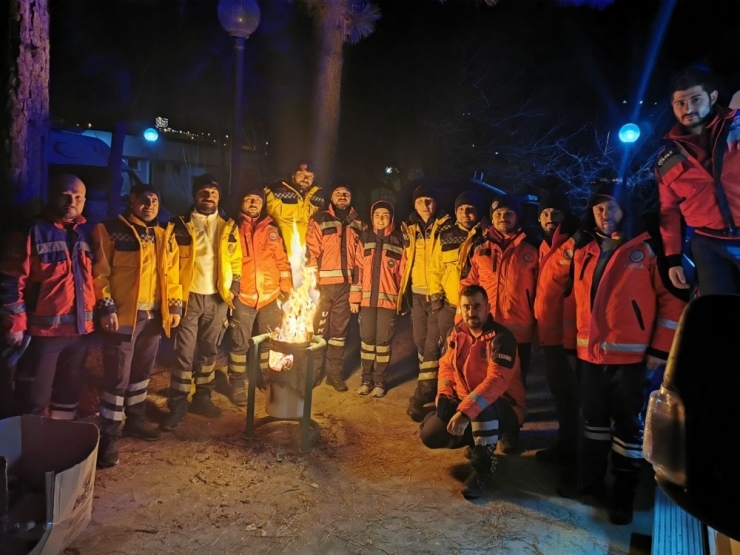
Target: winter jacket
379	264
552	283
480	370
509	276
686	188
632	313
419	237
128	254
265	268
448	258
331	244
46	284
286	205
228	263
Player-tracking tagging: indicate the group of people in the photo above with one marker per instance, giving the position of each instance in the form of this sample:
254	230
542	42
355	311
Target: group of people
600	298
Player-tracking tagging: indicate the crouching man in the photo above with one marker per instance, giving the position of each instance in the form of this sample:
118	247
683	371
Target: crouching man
480	393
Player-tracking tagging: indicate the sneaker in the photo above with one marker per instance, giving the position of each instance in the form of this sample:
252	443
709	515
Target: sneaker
173	419
205	407
141	430
337	383
378	390
239	393
108	452
365	388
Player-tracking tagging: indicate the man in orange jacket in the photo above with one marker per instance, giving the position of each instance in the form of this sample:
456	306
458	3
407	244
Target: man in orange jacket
266	277
556	257
331	244
625	322
480	393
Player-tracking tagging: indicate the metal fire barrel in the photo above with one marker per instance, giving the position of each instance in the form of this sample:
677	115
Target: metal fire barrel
286	386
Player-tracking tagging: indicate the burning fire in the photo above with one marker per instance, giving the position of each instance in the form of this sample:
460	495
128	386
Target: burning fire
299	309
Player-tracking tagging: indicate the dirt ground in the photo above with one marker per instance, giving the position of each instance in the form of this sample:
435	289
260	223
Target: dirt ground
368	485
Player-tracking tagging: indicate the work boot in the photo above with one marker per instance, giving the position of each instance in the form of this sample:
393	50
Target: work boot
175	417
238	394
418	410
141	429
108	451
481	477
337	383
205	407
621	503
510	443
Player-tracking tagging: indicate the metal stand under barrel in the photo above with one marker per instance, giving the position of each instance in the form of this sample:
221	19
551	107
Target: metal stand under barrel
285	401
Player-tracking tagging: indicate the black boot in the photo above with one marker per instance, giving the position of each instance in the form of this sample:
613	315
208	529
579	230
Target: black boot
107	451
481	477
337	383
621	504
177	413
238	393
205	407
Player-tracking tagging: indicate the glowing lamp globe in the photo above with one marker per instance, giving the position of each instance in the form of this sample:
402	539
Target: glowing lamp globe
240	18
629	133
151	134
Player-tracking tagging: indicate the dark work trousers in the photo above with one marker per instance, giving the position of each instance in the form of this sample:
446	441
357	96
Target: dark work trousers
377	328
331	322
561	378
241	325
445	321
524	350
425	326
127	364
717	264
51	373
611	401
202	327
485	429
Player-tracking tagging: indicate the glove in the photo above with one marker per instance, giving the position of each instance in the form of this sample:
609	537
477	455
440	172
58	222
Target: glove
437	305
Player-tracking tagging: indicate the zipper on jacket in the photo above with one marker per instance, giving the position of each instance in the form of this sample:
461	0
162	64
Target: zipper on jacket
377	270
638	314
585	265
494	260
529	299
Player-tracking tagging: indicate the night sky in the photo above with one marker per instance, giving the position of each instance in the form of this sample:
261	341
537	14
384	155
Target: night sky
429	88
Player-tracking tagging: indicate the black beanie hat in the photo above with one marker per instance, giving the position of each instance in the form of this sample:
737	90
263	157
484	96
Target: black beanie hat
205	180
340	185
555	200
506	201
381	204
141	188
257	191
423	191
467	198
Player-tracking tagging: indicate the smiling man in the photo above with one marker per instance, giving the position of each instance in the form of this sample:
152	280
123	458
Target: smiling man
698	177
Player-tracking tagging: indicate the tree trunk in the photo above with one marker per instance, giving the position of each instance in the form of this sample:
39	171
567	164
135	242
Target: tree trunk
24	116
328	88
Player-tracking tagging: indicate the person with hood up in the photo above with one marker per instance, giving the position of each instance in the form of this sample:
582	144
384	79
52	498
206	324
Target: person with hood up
553	281
504	263
294	203
265	279
210	270
625	322
331	245
376	295
137	286
422	233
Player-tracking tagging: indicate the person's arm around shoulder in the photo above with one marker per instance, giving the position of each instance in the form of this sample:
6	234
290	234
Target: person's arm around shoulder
103	253
15	270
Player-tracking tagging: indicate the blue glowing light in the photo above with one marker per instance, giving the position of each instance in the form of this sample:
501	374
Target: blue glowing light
151	134
629	133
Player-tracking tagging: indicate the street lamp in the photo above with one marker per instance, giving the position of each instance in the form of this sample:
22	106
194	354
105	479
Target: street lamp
629	133
240	18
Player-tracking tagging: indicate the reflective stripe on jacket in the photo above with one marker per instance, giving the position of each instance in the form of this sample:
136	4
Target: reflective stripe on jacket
286	205
480	370
46	285
228	261
687	189
119	271
265	267
509	277
552	282
448	259
379	265
331	245
633	313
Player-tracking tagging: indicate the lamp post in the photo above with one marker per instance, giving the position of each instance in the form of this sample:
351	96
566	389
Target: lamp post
628	134
240	18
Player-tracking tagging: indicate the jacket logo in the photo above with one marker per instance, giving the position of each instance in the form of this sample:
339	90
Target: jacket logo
391	263
637	256
568	254
231	248
273	236
528	258
502	356
662	159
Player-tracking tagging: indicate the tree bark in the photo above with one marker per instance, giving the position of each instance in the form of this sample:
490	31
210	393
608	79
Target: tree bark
24	118
327	94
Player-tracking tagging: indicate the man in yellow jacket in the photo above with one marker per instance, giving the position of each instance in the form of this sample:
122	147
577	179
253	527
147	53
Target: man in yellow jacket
294	203
138	293
210	272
